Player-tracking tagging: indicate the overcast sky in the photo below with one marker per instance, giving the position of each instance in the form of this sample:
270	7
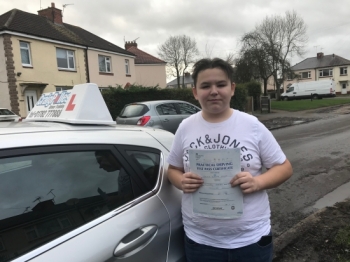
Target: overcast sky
216	25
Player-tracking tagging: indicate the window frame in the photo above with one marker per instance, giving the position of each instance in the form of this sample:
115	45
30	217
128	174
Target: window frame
62	88
305	72
345	68
141	191
107	61
178	107
29	53
67	58
330	72
161	107
127	67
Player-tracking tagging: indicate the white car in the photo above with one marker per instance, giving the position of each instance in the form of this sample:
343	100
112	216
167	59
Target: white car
8	116
77	187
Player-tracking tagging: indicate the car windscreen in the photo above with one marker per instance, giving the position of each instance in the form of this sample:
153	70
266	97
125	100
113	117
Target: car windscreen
133	110
290	89
6	112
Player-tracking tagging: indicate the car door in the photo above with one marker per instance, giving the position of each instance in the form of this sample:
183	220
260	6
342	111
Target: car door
169	116
80	203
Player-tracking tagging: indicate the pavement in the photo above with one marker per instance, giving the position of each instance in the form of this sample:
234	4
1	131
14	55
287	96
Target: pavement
280	119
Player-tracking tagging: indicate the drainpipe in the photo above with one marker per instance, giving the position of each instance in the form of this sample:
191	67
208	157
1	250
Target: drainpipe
316	74
87	65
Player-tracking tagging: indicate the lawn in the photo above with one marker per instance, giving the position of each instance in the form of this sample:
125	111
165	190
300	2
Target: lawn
297	105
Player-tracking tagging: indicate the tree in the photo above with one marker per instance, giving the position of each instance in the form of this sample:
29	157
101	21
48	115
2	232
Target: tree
256	55
276	37
283	35
189	52
179	52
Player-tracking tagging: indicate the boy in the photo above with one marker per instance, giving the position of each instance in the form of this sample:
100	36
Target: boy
247	238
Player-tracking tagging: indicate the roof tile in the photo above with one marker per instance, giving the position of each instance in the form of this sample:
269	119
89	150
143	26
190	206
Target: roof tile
143	57
325	61
31	24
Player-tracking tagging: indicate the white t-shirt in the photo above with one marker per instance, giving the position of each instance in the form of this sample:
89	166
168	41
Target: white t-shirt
258	149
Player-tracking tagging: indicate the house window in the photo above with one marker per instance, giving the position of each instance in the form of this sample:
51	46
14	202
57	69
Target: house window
325	72
127	69
65	59
25	53
104	64
61	88
47	227
343	71
305	74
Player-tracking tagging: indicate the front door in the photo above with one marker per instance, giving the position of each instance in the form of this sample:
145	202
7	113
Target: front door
30	99
344	91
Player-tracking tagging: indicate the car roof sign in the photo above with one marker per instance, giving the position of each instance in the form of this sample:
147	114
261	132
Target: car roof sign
83	104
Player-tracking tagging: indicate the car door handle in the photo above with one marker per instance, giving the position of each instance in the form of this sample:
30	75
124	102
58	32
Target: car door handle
166	120
136	240
294	92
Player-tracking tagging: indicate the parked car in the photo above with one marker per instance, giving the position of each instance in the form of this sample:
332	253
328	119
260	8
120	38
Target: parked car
77	187
8	116
163	114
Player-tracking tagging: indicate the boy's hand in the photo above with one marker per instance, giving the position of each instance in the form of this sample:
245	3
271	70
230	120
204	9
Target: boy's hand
191	182
247	182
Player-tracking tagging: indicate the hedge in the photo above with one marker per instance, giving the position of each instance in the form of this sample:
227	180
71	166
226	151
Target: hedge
117	98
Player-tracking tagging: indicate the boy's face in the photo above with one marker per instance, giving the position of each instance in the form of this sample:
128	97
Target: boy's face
214	91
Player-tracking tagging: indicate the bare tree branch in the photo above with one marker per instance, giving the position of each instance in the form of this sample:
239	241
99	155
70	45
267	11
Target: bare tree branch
179	52
276	38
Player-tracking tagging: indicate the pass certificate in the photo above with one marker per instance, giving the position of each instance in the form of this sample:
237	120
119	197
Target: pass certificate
216	198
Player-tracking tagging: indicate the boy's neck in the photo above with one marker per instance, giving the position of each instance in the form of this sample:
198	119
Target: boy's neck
217	118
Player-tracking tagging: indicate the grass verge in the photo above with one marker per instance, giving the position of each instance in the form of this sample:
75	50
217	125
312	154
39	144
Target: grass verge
297	105
342	240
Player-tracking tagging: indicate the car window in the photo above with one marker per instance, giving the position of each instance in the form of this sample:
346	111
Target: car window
149	163
44	196
187	109
290	89
6	112
133	110
166	109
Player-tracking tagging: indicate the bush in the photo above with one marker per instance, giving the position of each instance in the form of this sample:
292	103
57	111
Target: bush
117	98
253	89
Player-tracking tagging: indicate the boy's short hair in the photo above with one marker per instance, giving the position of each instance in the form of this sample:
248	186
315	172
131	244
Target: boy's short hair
207	63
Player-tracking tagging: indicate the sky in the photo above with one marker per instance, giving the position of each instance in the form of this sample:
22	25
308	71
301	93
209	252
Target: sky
216	25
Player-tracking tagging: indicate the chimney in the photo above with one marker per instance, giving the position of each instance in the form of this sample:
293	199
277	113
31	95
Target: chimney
319	55
52	13
129	44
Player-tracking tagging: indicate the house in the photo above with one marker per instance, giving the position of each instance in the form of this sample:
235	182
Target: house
188	81
271	85
149	70
323	67
40	53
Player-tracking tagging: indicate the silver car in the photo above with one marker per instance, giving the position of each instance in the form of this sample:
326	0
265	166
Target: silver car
87	193
163	114
8	116
77	187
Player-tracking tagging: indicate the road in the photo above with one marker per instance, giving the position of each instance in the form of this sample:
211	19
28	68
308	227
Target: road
320	155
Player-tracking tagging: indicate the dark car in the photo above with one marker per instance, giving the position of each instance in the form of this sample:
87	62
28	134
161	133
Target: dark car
163	114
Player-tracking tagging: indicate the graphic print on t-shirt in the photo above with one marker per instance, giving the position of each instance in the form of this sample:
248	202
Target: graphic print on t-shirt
219	141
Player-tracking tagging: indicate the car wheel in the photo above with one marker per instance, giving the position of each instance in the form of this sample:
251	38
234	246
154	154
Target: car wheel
315	97
285	98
